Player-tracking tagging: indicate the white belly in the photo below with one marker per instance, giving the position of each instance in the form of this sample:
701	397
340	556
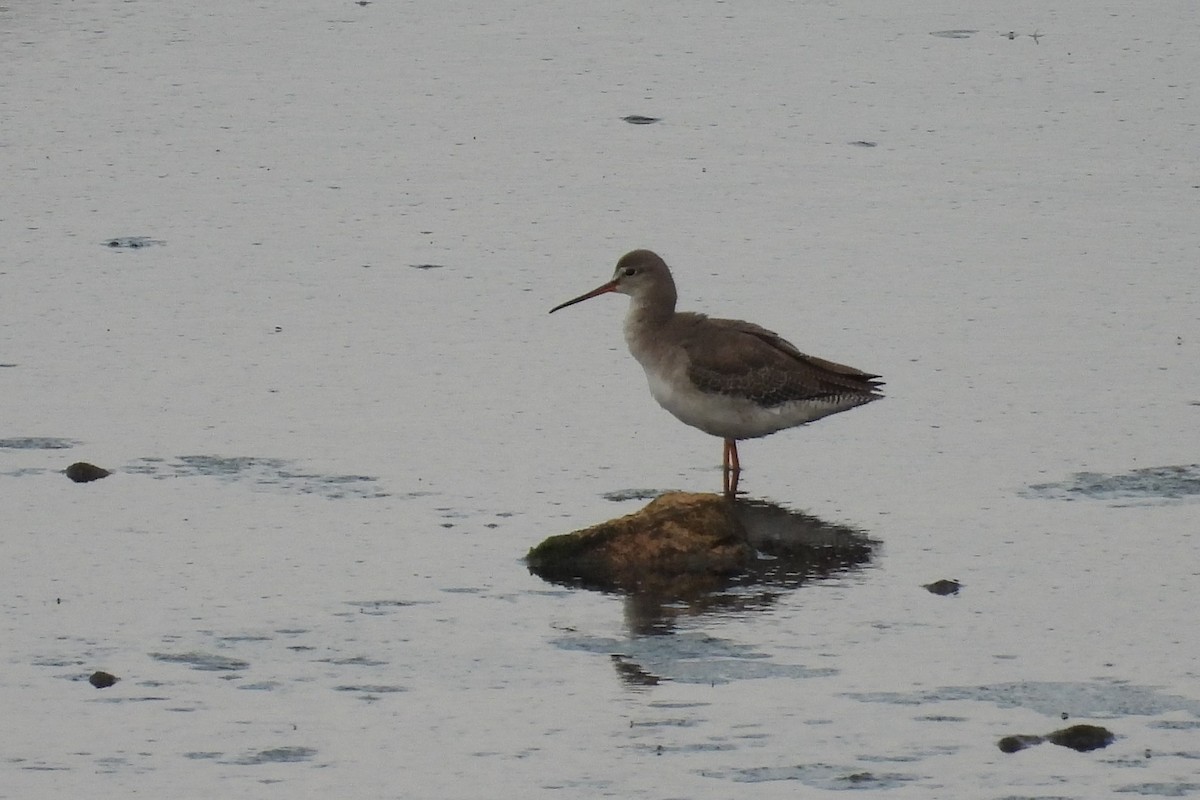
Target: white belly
732	417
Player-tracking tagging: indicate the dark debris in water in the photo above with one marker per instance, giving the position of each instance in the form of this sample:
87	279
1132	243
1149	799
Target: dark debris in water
427	266
1018	742
269	473
83	472
1082	738
956	33
102	680
131	242
638	119
943	587
1149	483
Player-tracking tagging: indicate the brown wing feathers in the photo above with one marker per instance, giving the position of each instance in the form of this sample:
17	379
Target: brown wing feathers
747	360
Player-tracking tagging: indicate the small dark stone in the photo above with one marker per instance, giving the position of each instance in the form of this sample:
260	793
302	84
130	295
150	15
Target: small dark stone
1012	744
1077	737
83	472
943	587
638	119
102	680
1082	737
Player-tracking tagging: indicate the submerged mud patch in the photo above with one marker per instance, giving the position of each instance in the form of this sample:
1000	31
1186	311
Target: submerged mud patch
271	473
1097	699
266	473
277	755
203	661
819	776
1150	483
368	690
37	443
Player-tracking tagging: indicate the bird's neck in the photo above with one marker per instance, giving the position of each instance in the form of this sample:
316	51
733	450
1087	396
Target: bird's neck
647	315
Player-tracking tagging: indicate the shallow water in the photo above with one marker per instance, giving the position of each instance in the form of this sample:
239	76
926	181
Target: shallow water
329	457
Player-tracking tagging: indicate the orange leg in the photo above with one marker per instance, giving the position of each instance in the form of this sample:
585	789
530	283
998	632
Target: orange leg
730	467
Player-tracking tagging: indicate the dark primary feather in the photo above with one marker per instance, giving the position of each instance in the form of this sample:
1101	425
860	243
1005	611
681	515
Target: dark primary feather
750	361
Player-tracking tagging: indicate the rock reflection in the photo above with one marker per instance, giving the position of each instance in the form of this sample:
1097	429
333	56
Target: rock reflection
633	674
791	549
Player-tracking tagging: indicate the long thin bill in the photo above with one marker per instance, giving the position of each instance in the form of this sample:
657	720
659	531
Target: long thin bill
611	286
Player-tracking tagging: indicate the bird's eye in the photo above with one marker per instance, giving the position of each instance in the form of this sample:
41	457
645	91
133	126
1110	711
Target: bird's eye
629	272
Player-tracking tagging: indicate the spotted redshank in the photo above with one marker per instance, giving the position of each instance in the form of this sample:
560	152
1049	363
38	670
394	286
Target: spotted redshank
728	378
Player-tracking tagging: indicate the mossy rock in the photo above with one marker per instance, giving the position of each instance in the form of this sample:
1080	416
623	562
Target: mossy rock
680	543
